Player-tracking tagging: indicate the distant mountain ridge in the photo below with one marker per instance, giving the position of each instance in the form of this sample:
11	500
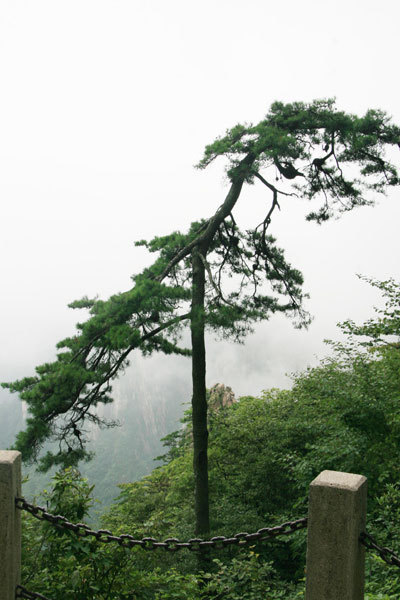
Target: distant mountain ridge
148	403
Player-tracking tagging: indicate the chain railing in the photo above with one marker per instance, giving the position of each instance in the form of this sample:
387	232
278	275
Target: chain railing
388	555
22	592
385	553
170	544
334	569
126	540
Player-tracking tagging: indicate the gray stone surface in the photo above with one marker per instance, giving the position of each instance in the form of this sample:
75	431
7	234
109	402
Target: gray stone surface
10	524
336	517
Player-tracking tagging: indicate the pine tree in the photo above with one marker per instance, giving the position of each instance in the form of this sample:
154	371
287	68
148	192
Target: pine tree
311	151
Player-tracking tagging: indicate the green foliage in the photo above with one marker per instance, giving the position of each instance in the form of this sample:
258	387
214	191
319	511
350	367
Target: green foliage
246	578
381	333
63	566
316	142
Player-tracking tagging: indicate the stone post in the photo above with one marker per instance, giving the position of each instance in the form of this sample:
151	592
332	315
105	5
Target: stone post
336	517
10	524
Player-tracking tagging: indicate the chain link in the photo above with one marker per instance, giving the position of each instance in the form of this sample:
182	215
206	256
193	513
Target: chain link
170	544
22	592
385	553
173	544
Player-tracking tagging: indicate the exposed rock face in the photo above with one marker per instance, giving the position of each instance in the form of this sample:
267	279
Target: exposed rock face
220	396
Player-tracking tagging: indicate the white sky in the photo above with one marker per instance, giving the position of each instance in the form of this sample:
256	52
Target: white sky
106	105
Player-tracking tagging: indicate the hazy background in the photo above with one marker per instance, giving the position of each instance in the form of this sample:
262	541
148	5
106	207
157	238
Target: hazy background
105	106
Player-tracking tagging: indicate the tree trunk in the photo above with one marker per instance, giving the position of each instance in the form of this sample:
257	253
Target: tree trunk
199	400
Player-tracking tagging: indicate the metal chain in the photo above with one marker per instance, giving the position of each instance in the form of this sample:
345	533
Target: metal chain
170	544
22	592
385	553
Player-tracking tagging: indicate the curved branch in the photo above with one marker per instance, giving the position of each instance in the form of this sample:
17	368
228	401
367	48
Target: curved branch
212	225
214	285
270	186
318	162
